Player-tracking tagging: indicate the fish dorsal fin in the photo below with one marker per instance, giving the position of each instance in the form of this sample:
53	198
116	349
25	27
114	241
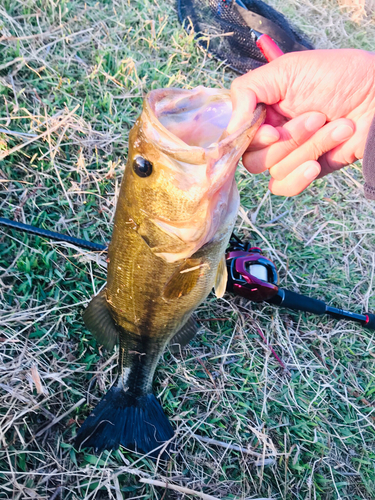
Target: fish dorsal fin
221	278
185	278
99	321
184	335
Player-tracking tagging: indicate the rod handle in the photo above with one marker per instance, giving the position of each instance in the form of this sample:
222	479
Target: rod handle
292	300
269	48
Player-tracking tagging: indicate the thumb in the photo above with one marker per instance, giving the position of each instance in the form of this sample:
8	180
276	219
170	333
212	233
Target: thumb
266	84
244	102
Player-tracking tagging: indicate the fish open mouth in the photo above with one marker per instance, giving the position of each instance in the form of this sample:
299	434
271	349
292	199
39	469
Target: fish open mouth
197	117
198	120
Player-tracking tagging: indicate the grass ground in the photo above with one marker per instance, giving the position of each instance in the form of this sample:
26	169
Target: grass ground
72	77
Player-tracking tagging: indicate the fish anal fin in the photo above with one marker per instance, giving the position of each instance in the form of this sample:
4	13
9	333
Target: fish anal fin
185	278
184	335
98	319
221	278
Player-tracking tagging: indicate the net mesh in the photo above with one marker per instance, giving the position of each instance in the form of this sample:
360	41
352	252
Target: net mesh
221	30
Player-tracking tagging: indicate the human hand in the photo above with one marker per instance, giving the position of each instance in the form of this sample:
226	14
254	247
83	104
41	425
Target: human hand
320	107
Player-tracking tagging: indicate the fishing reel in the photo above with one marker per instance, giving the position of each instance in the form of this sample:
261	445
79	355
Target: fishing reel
250	274
255	277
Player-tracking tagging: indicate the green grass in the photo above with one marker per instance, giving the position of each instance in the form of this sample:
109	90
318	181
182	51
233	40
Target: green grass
314	421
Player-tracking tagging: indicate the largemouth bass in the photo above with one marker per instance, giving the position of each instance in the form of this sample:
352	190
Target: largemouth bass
175	213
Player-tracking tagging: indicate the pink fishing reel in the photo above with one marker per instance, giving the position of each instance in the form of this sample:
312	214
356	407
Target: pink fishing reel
250	274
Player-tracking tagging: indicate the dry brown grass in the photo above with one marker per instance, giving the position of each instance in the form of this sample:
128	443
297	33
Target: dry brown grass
245	427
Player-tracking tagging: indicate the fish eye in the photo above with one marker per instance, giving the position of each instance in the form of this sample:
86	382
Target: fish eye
142	167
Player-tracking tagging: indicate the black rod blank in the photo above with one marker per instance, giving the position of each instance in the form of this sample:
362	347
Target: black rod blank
52	235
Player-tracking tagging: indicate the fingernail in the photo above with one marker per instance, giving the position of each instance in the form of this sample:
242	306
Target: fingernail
315	122
342	132
311	172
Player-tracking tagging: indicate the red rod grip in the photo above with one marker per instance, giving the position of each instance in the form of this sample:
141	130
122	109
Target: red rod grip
269	48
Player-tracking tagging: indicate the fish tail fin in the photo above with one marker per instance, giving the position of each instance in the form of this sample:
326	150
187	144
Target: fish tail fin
137	423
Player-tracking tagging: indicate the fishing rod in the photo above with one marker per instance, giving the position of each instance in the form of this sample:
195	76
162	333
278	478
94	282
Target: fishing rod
253	276
52	235
250	275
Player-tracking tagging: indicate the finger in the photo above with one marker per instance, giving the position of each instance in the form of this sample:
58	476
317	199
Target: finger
292	135
350	151
296	181
337	158
325	139
266	135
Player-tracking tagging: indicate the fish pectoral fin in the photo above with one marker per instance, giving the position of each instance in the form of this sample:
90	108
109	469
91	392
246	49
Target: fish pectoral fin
184	335
185	278
221	278
98	319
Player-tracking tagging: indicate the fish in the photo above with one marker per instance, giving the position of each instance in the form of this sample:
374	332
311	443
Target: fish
176	209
